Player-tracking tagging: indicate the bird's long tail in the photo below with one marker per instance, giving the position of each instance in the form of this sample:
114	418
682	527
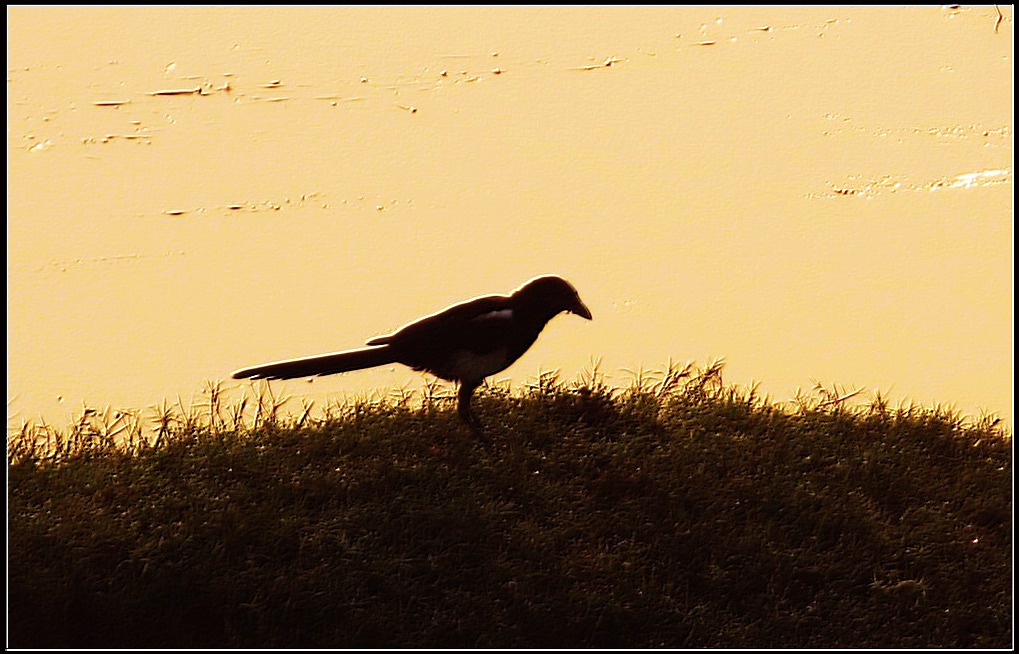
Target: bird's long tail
322	364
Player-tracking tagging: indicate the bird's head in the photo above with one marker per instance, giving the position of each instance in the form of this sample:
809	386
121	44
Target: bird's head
552	295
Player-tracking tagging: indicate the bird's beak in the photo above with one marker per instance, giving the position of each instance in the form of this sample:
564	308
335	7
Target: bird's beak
581	310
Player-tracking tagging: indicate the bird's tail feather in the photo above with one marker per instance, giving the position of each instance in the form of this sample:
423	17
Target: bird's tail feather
322	364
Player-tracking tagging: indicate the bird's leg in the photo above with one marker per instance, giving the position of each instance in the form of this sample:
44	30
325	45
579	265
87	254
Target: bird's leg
464	406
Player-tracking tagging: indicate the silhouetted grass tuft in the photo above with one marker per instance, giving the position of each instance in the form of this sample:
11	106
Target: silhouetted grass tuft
678	512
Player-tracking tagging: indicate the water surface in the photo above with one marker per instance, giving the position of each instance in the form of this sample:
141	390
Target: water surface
811	193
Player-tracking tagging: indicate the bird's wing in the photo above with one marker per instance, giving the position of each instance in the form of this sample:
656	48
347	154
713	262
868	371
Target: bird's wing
322	364
473	325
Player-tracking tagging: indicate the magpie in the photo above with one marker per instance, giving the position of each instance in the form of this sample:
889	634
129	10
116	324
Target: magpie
464	343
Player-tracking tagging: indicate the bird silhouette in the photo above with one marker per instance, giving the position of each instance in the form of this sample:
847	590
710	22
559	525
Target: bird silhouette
464	343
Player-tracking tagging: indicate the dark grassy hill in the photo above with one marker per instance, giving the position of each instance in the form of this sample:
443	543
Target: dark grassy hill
683	514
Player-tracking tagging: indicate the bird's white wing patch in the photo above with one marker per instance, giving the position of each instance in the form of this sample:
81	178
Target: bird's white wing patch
501	314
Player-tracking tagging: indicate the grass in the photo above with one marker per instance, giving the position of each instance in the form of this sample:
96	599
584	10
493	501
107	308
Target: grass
679	512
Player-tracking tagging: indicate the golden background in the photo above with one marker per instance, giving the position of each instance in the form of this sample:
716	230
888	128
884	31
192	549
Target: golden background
811	193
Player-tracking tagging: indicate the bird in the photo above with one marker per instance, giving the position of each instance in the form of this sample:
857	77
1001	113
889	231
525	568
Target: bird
464	343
